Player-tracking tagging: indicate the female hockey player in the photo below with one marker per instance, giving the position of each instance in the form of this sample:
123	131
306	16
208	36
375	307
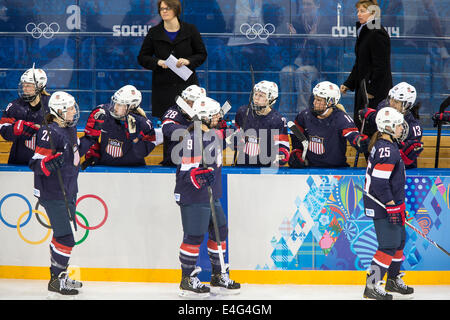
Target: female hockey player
175	118
263	130
199	170
59	149
126	135
23	116
402	97
328	128
384	201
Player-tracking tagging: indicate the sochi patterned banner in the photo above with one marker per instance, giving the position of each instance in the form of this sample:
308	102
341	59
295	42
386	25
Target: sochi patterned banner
312	222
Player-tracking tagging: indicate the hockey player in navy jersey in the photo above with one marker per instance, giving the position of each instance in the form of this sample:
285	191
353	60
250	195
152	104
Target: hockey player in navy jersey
263	139
402	97
385	182
175	118
200	168
59	149
23	116
126	135
328	128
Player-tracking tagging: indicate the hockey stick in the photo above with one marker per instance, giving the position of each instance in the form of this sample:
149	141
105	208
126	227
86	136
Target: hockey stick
301	137
244	124
52	146
442	108
186	108
406	222
366	104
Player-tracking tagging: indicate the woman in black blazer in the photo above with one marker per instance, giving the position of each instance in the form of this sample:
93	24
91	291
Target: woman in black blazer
171	36
373	60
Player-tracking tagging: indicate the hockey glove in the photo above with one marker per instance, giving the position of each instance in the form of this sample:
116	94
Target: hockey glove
91	156
365	113
52	163
25	128
410	151
361	143
295	159
441	117
95	123
396	213
282	157
201	177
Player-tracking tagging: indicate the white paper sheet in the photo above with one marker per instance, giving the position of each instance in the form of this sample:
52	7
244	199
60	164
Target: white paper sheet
183	72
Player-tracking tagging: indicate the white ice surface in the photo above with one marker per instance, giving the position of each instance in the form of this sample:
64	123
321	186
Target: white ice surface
12	289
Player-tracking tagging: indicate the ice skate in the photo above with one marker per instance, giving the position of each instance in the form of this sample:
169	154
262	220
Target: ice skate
222	284
192	288
59	286
399	289
376	292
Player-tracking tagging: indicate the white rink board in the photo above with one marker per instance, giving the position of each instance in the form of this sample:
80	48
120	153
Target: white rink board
257	205
143	229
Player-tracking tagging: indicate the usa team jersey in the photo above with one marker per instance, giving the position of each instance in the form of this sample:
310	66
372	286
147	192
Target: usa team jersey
23	147
172	120
415	129
117	149
64	140
385	178
191	158
264	136
327	137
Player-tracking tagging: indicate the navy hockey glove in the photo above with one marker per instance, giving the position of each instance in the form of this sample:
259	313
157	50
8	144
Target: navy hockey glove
95	123
52	163
365	113
295	159
25	128
201	177
361	143
396	213
441	117
410	151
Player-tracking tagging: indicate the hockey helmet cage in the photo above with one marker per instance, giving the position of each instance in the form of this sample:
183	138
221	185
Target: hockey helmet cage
388	118
127	95
59	104
269	88
205	108
38	78
329	91
405	93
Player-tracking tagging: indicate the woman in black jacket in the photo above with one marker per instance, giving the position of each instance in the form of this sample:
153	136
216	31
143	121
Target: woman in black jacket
373	60
171	36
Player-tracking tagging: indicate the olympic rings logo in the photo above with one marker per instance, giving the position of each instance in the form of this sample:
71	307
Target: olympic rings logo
257	30
42	29
46	223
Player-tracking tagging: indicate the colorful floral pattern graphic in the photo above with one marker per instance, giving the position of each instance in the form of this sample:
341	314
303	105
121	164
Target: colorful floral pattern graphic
329	231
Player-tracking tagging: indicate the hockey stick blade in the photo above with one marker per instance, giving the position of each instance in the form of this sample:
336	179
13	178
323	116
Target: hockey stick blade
406	222
225	108
185	107
300	136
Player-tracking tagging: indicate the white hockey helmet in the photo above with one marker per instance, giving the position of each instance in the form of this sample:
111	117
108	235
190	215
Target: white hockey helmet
405	93
205	108
329	91
193	92
127	95
269	88
38	78
388	118
59	104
